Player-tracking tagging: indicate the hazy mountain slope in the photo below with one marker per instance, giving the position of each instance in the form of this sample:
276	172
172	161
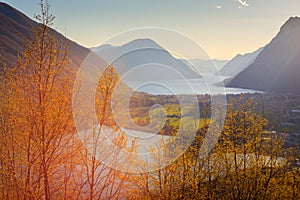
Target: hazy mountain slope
154	59
239	63
208	66
14	25
277	68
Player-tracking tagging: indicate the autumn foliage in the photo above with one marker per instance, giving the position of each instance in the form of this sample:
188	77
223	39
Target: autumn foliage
41	156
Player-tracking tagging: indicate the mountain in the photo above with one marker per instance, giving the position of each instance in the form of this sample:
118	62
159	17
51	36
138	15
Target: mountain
14	25
239	63
145	60
277	67
208	66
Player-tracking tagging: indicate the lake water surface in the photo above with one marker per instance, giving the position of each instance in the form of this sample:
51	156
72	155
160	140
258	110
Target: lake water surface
208	85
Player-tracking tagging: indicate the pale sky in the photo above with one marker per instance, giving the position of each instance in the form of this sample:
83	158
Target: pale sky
223	28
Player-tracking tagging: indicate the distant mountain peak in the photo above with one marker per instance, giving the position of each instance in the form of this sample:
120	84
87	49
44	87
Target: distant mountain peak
145	52
239	63
142	43
143	40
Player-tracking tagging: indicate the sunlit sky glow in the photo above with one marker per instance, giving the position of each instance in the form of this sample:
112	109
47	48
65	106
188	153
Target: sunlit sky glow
223	28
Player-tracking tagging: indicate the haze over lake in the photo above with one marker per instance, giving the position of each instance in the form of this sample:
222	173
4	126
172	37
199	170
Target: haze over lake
187	86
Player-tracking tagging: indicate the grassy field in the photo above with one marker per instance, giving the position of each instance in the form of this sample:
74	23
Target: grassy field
175	118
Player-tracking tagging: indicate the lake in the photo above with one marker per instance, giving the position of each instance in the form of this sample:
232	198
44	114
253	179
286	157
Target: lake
187	86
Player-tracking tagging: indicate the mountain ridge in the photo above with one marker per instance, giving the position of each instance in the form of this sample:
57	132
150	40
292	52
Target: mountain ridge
141	52
277	67
239	63
14	25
